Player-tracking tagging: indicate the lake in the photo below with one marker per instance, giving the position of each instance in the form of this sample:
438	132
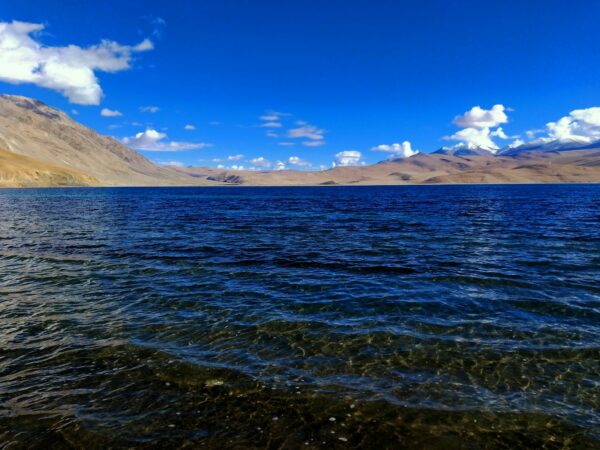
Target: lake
340	317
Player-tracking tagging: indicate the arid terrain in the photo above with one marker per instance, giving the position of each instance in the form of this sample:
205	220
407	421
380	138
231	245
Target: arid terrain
43	146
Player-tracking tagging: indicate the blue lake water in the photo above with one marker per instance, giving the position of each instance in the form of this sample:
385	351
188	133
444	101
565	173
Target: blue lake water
340	317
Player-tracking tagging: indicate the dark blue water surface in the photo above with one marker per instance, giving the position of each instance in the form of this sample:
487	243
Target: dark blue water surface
351	317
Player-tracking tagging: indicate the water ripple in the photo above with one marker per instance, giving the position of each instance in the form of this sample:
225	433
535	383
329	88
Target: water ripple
416	317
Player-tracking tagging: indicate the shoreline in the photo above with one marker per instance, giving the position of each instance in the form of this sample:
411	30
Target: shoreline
532	183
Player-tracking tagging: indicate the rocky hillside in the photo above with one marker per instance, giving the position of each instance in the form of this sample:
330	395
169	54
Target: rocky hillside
22	171
48	136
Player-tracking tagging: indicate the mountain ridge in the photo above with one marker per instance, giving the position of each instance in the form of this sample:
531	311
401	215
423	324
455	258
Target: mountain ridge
42	146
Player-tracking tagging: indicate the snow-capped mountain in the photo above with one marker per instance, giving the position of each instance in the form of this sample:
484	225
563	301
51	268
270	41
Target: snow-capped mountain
547	145
465	150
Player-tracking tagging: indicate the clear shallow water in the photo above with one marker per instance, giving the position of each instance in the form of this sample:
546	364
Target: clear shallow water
416	317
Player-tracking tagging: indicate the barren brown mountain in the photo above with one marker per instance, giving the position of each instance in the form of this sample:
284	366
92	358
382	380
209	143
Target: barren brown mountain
42	146
50	138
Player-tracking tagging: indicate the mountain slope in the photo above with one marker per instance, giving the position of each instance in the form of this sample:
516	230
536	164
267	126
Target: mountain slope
22	171
33	129
547	145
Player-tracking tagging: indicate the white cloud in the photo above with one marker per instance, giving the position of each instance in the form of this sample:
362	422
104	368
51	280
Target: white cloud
499	132
74	112
516	143
189	127
532	133
298	162
156	141
220	166
235	157
313	143
110	113
306	131
271	125
273	116
581	125
235	167
150	109
473	138
272	134
260	162
280	165
396	150
286	144
478	117
69	70
348	158
477	124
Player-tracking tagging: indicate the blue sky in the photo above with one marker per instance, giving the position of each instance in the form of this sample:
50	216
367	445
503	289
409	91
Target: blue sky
351	74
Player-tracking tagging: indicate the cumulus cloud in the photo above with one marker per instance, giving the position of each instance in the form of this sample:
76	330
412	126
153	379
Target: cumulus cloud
477	124
348	158
478	117
298	162
156	141
396	150
235	157
280	165
69	70
189	127
150	109
261	162
499	132
105	112
581	126
474	138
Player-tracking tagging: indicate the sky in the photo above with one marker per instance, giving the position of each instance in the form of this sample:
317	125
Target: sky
309	84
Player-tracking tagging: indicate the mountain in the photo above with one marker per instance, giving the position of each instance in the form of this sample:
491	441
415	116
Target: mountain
432	168
22	171
50	138
548	145
42	146
464	151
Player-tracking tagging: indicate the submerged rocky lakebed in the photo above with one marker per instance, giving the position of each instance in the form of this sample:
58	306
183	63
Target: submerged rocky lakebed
341	317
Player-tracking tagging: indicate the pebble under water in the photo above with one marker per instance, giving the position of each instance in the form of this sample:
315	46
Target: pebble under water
424	317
